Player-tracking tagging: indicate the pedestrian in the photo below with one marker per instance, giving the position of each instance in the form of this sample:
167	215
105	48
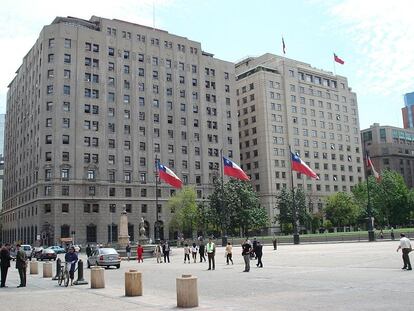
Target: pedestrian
381	235
4	263
194	250
202	251
128	251
392	234
157	252
88	251
253	252
229	253
186	253
166	251
71	258
405	246
259	254
140	252
21	265
274	242
246	255
211	252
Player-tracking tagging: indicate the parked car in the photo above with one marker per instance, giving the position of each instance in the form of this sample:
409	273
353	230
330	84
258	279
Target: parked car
13	253
57	249
104	257
28	251
46	254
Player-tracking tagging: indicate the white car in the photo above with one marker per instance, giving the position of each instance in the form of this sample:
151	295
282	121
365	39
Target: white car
28	251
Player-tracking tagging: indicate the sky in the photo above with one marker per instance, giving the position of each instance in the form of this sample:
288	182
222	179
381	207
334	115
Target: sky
374	38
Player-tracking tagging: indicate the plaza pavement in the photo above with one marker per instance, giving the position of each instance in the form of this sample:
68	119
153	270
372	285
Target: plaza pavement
344	276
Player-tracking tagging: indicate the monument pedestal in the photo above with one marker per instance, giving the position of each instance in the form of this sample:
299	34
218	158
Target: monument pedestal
123	237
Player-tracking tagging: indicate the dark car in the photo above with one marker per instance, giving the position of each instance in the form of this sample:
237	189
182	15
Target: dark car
46	254
104	257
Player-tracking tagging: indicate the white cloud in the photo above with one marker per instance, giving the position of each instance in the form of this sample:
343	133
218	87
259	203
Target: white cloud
22	21
383	38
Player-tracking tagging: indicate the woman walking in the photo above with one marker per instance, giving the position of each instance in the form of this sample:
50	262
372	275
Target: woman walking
140	252
194	250
186	253
229	253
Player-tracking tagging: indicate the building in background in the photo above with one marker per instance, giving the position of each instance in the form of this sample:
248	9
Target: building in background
92	106
285	103
408	111
391	148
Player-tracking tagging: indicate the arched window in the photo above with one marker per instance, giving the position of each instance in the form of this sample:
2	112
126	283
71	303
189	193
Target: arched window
131	232
159	226
113	233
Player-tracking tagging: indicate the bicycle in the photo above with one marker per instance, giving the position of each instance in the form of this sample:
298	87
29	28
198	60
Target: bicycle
63	276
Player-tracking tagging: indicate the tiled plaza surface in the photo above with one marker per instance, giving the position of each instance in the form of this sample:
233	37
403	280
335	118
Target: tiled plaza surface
343	276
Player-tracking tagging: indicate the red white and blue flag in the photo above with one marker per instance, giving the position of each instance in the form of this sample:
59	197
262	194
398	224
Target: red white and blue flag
168	176
374	171
233	170
301	167
338	59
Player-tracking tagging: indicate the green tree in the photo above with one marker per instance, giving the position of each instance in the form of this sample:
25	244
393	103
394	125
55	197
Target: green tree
285	208
341	209
235	207
185	210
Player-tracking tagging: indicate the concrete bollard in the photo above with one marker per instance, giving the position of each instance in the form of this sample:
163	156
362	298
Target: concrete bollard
80	280
133	283
58	268
34	267
97	277
187	293
47	270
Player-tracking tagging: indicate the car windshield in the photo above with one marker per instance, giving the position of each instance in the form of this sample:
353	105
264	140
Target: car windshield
108	251
26	248
48	251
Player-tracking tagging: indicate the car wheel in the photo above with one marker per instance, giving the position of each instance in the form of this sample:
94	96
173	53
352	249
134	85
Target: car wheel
118	266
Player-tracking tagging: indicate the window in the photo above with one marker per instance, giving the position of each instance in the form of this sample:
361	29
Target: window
68	43
90	175
65	139
67	59
66	74
66	90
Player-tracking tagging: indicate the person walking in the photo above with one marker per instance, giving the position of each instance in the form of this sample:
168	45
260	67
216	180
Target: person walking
140	252
88	251
259	254
253	252
246	249
128	251
186	253
405	246
392	234
211	252
21	265
202	251
4	263
166	252
157	252
274	242
71	258
194	250
229	253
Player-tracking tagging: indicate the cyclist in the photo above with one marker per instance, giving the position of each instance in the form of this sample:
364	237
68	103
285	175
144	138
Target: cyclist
71	258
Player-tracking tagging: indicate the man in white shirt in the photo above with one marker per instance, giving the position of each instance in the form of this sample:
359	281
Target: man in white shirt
405	246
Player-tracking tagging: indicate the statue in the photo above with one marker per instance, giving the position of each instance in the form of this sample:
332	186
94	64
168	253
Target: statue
142	229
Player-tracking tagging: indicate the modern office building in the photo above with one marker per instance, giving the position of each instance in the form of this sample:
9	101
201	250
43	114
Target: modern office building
391	148
91	107
408	111
283	103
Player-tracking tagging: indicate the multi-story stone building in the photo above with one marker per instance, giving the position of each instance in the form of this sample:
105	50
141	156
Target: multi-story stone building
391	148
92	106
282	104
408	110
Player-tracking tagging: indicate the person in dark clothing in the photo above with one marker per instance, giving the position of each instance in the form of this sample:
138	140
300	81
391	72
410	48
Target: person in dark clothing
166	252
21	265
71	258
88	251
253	252
246	255
259	254
202	251
4	263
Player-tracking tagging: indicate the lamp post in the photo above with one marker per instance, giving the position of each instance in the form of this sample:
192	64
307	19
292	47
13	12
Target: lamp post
371	235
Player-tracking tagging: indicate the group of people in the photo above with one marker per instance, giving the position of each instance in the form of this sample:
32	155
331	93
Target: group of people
5	259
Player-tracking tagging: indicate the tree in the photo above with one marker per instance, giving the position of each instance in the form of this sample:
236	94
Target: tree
235	207
185	210
341	209
285	207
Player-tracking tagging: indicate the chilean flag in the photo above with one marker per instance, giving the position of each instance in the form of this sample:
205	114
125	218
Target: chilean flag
301	167
168	176
374	171
233	170
338	59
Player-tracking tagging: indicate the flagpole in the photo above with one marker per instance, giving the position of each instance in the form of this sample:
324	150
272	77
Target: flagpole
157	227
371	236
334	64
296	238
224	227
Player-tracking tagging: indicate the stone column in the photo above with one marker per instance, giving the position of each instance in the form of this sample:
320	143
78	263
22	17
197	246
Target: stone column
187	293
97	277
47	270
123	237
133	283
34	267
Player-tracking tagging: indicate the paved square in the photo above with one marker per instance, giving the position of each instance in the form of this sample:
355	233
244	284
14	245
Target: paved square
344	276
